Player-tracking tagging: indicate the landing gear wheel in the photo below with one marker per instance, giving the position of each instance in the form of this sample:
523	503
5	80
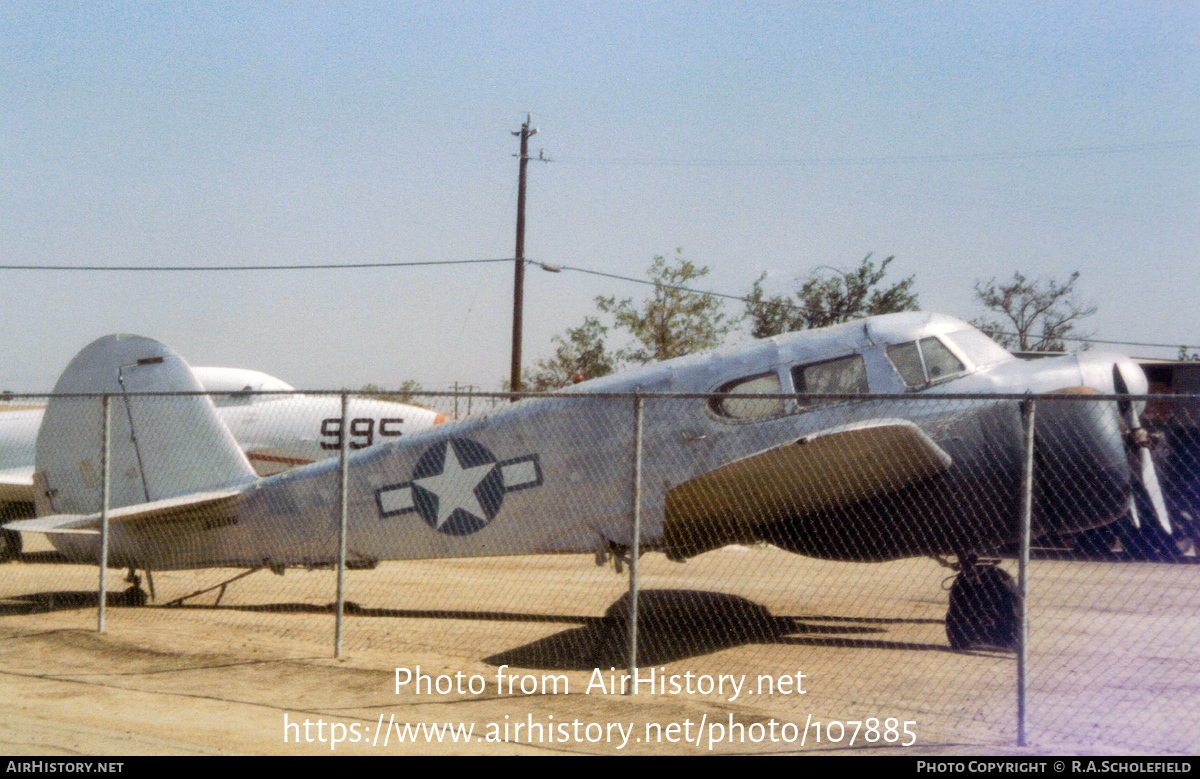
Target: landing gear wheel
1148	543
10	545
984	609
135	597
1096	543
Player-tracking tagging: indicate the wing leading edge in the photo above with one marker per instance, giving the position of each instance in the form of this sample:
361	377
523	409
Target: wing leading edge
836	467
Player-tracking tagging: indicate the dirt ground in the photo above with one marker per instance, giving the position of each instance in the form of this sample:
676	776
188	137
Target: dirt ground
1114	660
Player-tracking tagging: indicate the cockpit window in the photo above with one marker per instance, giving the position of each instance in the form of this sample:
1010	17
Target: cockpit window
924	362
750	408
845	375
940	362
979	348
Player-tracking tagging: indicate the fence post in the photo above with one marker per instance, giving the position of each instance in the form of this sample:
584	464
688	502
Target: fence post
1028	409
343	473
635	548
104	482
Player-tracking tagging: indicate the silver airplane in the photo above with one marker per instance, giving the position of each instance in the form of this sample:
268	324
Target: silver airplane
847	479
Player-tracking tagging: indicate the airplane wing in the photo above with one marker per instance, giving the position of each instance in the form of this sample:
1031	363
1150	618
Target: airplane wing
839	466
210	509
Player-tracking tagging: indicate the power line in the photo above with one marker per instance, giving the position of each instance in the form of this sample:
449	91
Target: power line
554	268
903	159
201	268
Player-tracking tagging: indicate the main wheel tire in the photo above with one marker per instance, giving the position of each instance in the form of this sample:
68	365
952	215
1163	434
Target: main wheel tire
984	610
1184	544
1096	543
135	597
1148	543
10	545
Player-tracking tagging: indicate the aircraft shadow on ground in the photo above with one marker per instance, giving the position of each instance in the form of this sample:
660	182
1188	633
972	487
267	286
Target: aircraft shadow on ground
352	609
40	602
672	625
45	558
679	624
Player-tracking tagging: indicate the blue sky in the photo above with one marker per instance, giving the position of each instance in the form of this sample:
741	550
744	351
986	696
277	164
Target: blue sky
758	137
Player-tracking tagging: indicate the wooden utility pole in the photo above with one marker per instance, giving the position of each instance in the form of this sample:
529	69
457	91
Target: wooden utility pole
519	272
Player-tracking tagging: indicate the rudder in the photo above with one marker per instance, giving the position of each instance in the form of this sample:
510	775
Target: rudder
160	446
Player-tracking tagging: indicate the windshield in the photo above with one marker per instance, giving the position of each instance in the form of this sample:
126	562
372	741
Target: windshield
979	348
924	362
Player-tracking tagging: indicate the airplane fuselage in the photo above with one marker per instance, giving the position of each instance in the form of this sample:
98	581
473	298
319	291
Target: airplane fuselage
555	474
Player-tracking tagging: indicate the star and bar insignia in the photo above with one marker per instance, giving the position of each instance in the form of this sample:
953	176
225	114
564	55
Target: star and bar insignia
458	486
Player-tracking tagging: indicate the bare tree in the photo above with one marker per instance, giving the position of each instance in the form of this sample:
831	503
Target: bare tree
1031	316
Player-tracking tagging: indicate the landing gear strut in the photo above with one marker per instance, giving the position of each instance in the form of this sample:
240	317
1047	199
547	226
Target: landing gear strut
984	607
135	595
10	540
10	545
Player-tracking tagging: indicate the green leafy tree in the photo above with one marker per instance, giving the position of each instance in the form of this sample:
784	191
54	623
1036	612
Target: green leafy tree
1031	316
829	296
672	322
581	354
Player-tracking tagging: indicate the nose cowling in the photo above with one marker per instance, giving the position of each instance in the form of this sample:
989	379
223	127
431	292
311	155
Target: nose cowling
1097	451
1109	373
1082	474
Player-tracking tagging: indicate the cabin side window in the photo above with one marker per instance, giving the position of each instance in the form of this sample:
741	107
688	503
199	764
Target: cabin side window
906	359
924	362
843	376
749	408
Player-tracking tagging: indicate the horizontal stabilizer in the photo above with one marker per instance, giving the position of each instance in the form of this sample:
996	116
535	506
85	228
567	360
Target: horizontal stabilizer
16	485
837	467
59	523
211	509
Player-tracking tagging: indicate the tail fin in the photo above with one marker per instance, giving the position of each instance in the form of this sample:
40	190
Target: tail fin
160	446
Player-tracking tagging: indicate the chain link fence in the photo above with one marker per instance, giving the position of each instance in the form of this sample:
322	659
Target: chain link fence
812	541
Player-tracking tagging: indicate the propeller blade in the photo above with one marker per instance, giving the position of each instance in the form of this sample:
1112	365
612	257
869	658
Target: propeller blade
1154	491
1133	513
1147	479
1124	406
